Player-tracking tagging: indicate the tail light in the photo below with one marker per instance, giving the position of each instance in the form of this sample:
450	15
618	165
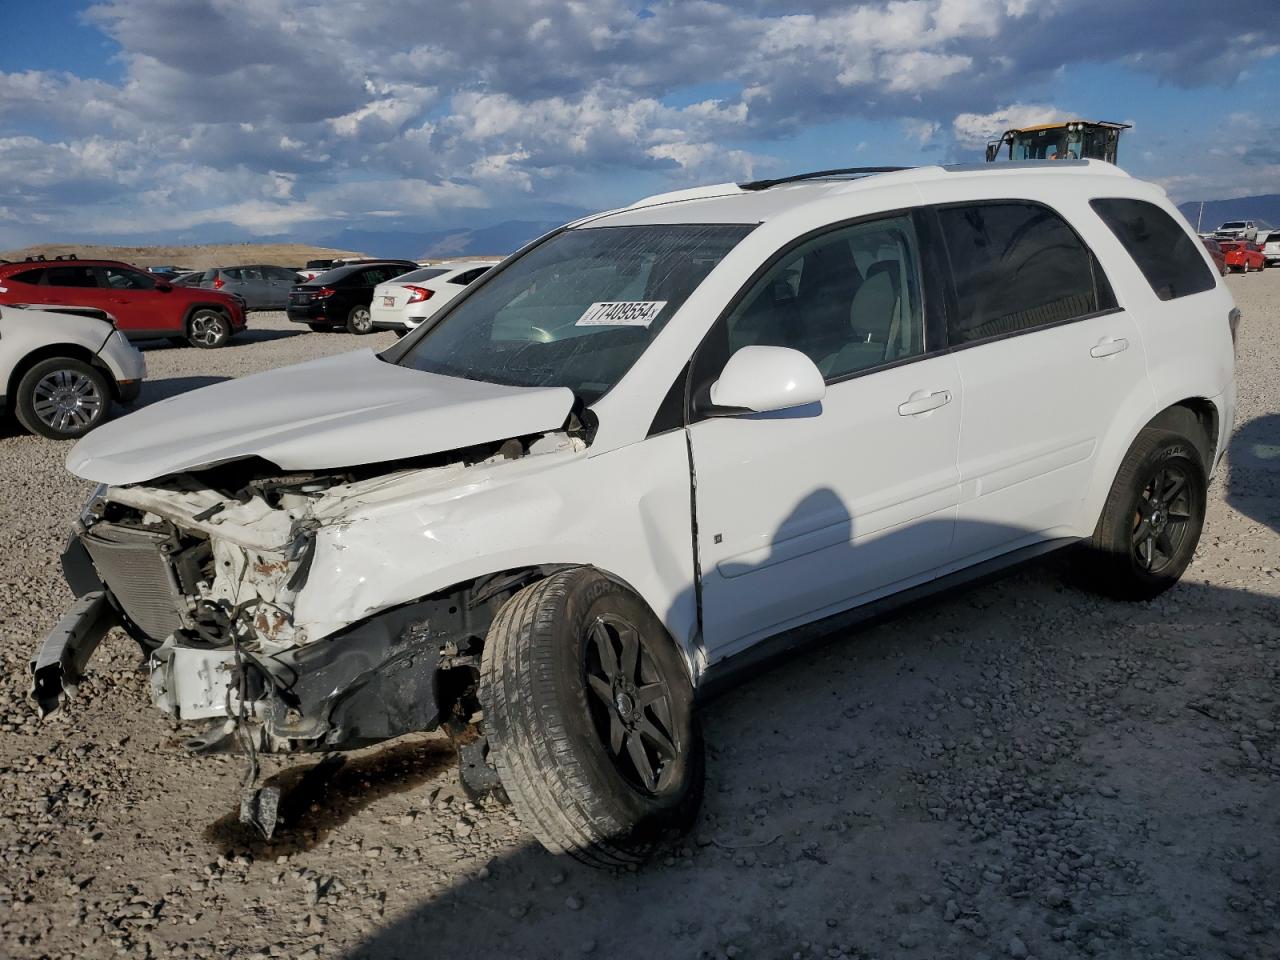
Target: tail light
219	283
323	293
417	294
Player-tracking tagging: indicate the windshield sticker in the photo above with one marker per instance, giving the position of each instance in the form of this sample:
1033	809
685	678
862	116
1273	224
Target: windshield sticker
621	313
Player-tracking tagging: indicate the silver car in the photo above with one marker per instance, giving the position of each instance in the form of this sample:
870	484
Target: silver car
262	286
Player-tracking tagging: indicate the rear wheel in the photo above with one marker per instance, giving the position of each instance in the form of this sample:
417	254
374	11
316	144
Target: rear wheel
590	718
62	398
1151	522
359	320
208	329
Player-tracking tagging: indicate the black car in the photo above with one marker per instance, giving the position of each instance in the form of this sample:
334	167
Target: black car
341	297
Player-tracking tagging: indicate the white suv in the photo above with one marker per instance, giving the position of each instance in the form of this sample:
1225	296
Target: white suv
654	446
61	369
1271	248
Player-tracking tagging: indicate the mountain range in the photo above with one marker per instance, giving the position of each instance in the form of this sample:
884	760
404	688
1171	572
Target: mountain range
498	239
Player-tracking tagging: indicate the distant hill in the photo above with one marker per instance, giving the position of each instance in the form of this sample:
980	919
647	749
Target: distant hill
196	257
499	239
1263	209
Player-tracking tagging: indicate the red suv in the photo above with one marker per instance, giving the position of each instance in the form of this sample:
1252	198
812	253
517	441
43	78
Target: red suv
144	307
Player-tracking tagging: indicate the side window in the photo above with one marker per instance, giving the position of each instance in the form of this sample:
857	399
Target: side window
1017	266
282	275
1163	251
118	278
235	273
32	277
849	299
250	273
70	277
371	278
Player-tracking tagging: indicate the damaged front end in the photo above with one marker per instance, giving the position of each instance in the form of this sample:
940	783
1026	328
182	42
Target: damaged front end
208	572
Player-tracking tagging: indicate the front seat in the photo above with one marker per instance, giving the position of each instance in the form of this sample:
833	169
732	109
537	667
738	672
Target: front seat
873	318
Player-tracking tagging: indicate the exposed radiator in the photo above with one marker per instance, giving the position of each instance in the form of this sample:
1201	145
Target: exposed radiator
139	574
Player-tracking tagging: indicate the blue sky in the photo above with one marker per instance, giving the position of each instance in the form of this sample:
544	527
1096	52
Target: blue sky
213	120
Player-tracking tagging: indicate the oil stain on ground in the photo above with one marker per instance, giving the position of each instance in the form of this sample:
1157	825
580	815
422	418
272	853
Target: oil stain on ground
318	797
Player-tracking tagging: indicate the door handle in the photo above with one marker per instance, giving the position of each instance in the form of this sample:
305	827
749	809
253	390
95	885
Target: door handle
1109	346
923	401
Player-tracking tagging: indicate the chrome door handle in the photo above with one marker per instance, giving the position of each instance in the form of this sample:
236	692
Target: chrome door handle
922	402
1109	347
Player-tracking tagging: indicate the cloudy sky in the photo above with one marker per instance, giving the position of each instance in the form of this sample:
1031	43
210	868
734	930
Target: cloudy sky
189	120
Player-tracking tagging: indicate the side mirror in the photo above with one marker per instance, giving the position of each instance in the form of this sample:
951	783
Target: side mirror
763	379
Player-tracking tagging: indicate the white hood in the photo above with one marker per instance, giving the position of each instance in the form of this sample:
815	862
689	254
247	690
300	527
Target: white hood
335	412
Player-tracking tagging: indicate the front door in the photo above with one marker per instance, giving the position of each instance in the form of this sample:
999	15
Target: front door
132	298
806	512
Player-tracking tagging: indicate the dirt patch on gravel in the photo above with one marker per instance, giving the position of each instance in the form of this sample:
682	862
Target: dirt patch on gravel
1021	769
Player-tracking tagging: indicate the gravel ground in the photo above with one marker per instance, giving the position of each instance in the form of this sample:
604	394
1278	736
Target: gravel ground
1020	770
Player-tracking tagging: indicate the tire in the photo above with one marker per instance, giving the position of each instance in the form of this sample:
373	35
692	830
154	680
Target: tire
553	718
1152	518
62	398
359	320
321	327
208	329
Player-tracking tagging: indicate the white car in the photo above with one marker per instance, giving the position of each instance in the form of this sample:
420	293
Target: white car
60	370
403	303
1271	248
656	447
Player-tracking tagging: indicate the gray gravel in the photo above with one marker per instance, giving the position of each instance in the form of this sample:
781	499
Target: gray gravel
1022	770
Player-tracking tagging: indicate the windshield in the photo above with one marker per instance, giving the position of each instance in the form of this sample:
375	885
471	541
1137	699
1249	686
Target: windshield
576	310
1232	225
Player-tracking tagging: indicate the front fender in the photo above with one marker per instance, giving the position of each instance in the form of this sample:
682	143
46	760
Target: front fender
627	512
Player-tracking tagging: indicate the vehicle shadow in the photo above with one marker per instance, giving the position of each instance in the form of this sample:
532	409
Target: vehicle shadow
1253	483
916	784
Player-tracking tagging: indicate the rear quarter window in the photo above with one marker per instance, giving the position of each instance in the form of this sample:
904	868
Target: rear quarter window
27	276
1162	250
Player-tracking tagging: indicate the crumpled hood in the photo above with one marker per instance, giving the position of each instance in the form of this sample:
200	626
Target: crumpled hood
339	411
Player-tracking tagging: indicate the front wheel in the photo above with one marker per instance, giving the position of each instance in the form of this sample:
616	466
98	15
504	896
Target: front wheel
590	718
359	320
1151	522
208	329
62	398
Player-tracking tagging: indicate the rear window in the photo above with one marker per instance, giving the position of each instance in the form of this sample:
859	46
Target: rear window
70	277
1017	266
428	274
1163	250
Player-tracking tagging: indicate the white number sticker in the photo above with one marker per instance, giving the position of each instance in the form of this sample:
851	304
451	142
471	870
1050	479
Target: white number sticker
621	313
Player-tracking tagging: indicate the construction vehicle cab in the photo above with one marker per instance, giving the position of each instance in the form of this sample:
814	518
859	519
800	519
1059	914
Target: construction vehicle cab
1064	140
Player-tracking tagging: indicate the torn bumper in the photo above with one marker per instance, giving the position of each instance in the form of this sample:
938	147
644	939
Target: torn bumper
58	667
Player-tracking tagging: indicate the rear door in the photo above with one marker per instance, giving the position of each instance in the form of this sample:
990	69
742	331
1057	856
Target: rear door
279	281
1046	357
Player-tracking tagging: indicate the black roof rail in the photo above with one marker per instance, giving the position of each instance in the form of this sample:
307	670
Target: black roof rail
35	258
817	175
66	256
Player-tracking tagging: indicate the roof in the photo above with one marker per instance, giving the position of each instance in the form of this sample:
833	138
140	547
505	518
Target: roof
18	266
1062	123
728	203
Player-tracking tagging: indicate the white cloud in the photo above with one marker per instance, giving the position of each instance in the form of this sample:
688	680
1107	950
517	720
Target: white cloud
269	113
